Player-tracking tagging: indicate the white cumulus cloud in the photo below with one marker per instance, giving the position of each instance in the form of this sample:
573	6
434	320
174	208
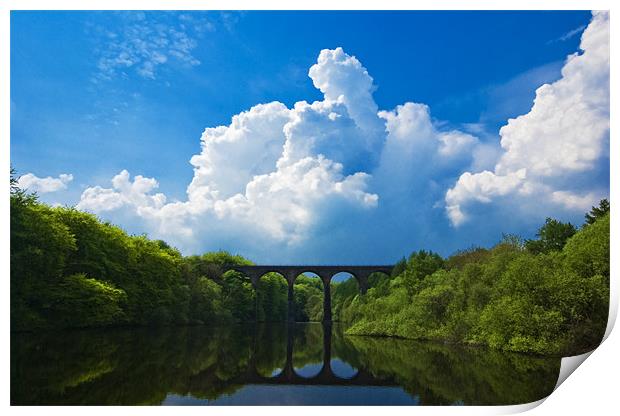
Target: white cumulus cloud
232	155
124	192
565	133
273	169
417	152
331	176
45	185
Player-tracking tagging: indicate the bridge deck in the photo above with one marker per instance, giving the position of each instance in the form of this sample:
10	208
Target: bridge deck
320	270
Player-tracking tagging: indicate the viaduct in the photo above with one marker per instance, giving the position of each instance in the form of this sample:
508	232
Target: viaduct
325	273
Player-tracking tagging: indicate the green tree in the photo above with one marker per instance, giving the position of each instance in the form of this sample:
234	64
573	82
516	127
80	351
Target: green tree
587	253
508	298
79	301
238	296
459	259
598	212
13	181
420	264
206	302
399	267
272	296
40	246
552	236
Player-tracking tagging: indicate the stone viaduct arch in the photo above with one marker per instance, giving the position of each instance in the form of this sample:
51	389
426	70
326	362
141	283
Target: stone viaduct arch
325	273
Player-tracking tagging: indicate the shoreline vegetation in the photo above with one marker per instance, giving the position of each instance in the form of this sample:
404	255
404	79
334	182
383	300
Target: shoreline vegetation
547	296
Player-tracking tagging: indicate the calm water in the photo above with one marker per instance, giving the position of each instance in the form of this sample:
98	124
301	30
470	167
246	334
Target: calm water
265	365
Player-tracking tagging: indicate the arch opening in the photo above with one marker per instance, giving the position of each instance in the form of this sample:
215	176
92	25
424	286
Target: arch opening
271	298
308	294
345	288
231	287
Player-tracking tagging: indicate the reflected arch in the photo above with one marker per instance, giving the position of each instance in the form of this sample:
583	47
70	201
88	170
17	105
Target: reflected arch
343	369
270	350
308	350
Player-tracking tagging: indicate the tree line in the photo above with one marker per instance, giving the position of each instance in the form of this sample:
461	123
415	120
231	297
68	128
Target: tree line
547	295
70	269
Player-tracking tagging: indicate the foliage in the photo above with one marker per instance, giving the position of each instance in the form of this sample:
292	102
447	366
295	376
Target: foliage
551	237
552	301
70	269
420	264
272	296
547	296
308	297
40	246
98	303
399	267
467	256
597	212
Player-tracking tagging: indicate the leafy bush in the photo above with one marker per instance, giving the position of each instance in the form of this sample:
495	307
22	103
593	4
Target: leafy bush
79	301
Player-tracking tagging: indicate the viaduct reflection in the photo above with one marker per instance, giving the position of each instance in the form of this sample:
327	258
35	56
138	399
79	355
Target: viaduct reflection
325	376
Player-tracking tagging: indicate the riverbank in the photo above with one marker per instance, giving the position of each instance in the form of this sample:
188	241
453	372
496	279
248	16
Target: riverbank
508	297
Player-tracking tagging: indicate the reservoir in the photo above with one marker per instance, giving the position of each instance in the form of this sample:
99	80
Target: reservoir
265	364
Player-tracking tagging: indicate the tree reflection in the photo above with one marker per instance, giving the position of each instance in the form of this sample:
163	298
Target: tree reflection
144	366
308	349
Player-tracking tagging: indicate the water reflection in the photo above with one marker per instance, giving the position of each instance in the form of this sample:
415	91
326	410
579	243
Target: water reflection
343	369
308	349
265	364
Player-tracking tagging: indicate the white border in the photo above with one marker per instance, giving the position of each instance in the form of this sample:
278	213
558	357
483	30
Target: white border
590	389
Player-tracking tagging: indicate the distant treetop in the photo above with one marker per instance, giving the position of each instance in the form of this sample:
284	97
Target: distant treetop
597	212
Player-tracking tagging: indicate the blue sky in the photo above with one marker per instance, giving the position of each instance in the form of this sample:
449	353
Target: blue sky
94	94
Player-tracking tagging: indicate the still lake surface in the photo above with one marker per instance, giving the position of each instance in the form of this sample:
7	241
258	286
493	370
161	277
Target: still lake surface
265	364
